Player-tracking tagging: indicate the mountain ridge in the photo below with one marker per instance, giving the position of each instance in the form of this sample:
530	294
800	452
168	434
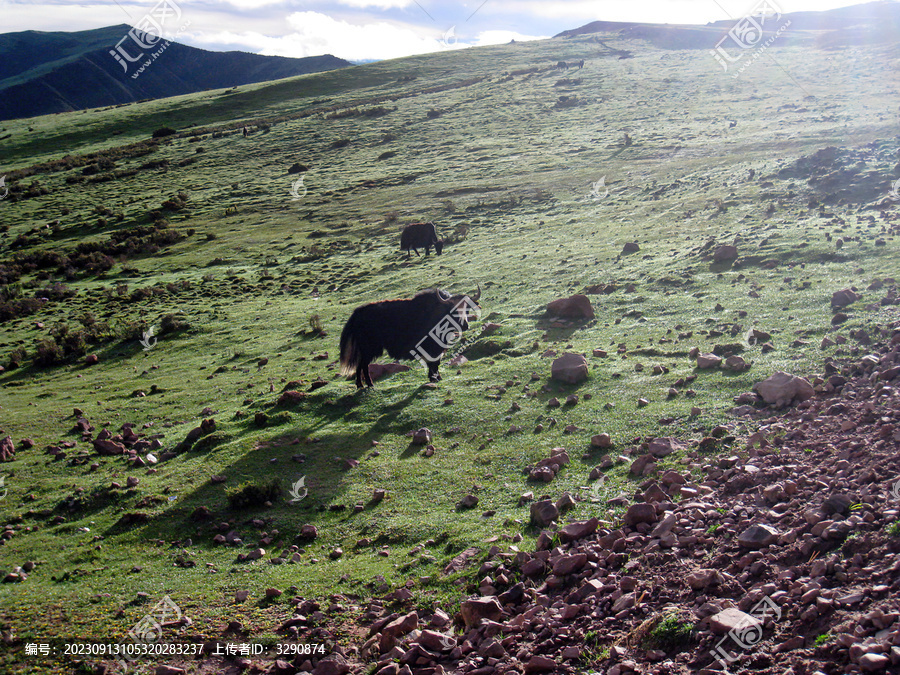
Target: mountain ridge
50	72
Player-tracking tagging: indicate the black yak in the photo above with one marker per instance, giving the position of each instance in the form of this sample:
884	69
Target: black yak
562	65
420	235
421	327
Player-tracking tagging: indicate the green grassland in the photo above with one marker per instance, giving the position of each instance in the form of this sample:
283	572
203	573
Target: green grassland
478	141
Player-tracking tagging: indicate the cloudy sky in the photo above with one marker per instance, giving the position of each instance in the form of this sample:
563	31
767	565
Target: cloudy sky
360	30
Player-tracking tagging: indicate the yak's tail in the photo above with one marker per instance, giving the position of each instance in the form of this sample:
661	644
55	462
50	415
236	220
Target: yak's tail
350	354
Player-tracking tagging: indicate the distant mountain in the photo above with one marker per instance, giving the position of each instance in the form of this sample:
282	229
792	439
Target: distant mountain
42	73
859	24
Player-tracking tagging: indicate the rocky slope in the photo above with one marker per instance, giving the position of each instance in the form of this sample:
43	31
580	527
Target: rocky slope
779	558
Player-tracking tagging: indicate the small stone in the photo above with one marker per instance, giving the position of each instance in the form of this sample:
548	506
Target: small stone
733	619
467	502
758	536
422	436
544	512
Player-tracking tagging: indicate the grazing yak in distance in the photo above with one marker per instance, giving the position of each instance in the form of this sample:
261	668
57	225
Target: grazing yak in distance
421	327
562	65
420	235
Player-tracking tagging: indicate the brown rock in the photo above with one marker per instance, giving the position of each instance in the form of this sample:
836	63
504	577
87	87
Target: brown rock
870	663
333	664
7	450
401	625
107	447
544	512
843	298
422	436
379	370
725	253
601	441
169	670
566	564
476	609
569	368
577	530
758	536
702	578
660	447
732	619
705	361
577	306
640	465
435	641
783	388
735	364
540	664
640	513
467	502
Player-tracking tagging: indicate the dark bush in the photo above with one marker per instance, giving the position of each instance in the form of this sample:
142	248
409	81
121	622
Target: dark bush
56	291
155	164
14	309
172	323
47	353
254	494
162	132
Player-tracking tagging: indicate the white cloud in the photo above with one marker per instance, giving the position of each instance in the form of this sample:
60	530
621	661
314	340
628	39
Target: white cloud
502	37
380	4
315	33
250	4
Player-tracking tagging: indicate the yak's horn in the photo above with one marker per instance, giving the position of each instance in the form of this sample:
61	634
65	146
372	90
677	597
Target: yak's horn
477	294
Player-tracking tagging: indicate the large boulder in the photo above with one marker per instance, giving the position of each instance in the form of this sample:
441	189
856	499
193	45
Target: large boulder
782	389
569	368
577	306
705	361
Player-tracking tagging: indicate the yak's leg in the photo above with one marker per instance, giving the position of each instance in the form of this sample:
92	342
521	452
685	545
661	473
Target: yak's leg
417	252
359	374
427	250
433	373
368	377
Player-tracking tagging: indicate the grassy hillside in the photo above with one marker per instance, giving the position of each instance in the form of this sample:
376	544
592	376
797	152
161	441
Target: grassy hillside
208	246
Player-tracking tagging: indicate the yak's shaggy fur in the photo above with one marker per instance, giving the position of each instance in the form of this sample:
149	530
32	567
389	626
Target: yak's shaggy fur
420	235
398	327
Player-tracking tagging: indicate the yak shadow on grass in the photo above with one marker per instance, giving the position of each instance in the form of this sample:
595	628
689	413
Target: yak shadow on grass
322	469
